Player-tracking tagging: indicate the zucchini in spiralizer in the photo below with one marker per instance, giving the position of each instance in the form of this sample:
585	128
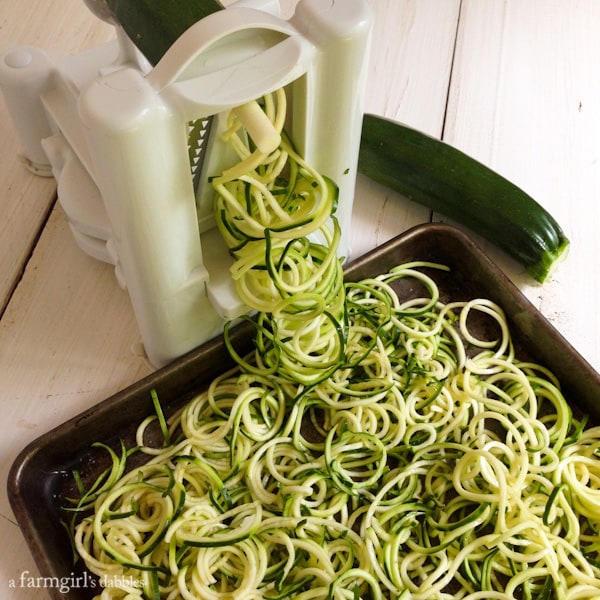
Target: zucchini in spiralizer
450	182
153	25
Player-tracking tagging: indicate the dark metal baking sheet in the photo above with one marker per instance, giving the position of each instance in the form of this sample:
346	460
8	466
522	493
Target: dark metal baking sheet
40	477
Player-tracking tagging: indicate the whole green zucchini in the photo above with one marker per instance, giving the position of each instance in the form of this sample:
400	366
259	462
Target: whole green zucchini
452	183
418	166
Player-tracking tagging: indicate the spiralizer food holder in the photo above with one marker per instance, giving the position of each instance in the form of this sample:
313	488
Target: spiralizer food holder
133	146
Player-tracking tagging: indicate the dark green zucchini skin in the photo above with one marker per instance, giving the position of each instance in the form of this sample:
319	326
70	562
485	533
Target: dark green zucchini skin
153	25
450	182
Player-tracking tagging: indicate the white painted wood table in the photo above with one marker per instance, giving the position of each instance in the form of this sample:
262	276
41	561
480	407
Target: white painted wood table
514	84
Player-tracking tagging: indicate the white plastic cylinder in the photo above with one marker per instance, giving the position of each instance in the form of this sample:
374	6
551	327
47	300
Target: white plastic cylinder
138	147
25	72
328	101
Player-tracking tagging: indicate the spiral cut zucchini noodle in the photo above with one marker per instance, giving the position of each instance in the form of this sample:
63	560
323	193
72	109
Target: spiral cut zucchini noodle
373	445
276	214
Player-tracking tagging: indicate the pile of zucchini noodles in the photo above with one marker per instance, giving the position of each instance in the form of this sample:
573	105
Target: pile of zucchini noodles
398	455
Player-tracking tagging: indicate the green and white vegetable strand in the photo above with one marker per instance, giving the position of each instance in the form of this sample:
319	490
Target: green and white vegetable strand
370	447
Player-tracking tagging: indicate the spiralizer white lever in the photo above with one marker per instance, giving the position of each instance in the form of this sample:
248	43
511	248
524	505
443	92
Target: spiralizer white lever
118	135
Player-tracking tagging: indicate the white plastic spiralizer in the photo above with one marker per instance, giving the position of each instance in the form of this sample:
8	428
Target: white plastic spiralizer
132	146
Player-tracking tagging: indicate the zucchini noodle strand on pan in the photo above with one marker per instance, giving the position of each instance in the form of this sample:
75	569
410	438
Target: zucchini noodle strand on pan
432	463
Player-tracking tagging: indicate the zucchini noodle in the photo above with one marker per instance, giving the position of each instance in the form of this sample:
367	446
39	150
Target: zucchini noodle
432	464
276	214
